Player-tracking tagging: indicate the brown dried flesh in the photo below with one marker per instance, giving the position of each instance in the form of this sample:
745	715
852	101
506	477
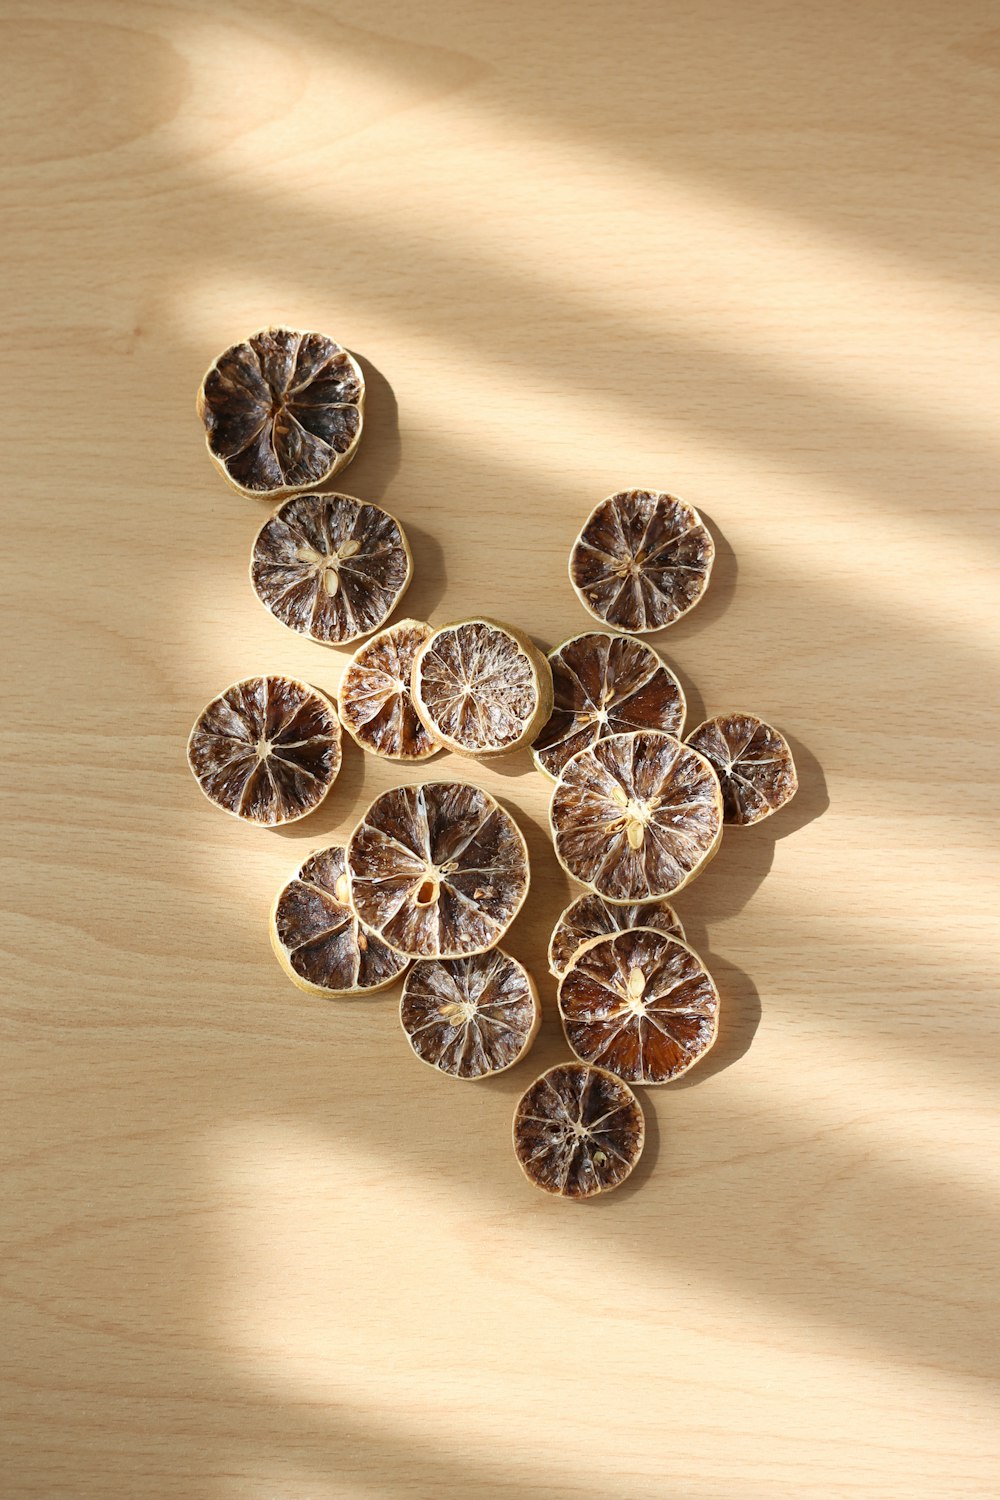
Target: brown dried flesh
753	763
470	1017
578	1131
375	701
590	916
482	688
317	938
642	559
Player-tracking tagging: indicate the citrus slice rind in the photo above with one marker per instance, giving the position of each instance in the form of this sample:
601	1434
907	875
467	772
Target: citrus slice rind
316	936
636	816
753	762
642	559
482	688
590	916
267	750
438	870
605	684
330	567
282	411
641	1004
578	1131
470	1017
375	700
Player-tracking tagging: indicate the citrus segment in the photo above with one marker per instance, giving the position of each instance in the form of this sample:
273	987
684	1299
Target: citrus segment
578	1131
317	938
376	705
753	762
470	1017
482	688
590	916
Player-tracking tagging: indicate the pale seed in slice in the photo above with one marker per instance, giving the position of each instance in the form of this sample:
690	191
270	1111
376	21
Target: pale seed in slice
470	1017
375	701
482	688
753	762
578	1131
590	916
317	938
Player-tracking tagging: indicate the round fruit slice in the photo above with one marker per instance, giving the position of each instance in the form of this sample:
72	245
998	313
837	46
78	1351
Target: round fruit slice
438	870
266	750
590	916
636	817
330	567
640	1003
753	762
282	411
578	1131
642	560
482	688
375	702
317	938
605	684
470	1017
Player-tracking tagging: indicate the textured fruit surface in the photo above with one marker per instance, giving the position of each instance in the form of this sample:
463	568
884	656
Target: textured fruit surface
482	688
376	705
753	763
590	916
470	1017
317	938
578	1131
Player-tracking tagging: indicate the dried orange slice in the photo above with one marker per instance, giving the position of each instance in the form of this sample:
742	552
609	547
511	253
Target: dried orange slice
640	1003
470	1017
578	1131
438	870
482	688
605	684
753	762
282	411
317	938
590	916
375	702
636	816
642	560
266	750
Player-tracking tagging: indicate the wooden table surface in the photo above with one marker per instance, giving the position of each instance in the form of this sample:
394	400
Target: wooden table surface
252	1250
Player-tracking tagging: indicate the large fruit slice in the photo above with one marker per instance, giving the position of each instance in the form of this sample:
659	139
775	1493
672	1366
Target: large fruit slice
482	688
330	567
376	705
636	817
578	1131
317	938
470	1017
605	684
266	750
641	1004
753	762
438	870
642	560
590	916
282	411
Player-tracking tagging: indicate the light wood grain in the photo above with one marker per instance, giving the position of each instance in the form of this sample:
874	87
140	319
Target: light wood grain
254	1251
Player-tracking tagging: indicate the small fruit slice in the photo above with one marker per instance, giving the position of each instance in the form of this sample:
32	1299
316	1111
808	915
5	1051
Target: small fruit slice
317	938
590	916
605	684
753	762
470	1017
482	688
375	702
438	870
330	567
642	560
578	1131
266	750
636	817
282	411
640	1003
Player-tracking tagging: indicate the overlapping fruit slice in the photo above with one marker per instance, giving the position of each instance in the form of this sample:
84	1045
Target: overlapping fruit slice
317	938
482	688
470	1017
330	567
640	1003
438	870
753	762
590	916
266	750
636	816
605	684
642	560
376	705
578	1131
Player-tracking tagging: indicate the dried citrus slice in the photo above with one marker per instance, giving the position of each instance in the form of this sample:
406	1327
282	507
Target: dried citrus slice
317	938
640	1003
590	916
642	560
282	411
266	750
438	870
482	688
470	1017
605	684
331	567
374	699
636	816
753	762
578	1131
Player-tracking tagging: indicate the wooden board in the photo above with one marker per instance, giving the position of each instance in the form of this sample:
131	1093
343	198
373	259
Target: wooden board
252	1248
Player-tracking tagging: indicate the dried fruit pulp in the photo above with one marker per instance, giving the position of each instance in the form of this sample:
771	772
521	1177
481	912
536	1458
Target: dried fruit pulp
590	916
317	938
578	1131
482	688
753	762
470	1017
374	698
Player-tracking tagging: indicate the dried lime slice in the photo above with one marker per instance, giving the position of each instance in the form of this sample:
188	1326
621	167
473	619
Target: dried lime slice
482	688
578	1131
642	560
590	916
317	938
470	1017
753	762
376	705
